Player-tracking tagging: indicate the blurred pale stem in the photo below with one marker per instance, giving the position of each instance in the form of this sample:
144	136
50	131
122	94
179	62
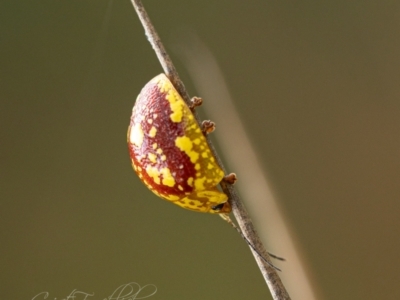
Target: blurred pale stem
252	180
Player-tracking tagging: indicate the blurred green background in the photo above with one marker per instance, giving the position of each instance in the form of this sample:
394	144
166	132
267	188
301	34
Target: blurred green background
317	87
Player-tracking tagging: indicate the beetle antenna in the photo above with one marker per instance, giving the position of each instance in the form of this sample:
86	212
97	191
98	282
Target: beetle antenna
230	222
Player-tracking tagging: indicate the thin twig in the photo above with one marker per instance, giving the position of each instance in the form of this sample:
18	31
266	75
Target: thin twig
270	275
230	222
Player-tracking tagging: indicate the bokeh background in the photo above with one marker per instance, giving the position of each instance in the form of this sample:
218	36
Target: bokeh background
316	84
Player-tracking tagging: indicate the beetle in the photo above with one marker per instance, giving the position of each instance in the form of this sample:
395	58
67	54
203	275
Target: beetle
170	153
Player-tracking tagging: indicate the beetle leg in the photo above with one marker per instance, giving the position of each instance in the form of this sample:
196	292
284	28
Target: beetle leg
207	126
230	178
195	102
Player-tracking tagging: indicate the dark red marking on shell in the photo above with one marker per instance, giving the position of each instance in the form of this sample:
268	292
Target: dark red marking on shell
151	101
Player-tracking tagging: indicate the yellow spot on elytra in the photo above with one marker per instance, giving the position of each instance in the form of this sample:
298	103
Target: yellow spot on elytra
190	181
153	173
155	116
197	141
167	177
210	166
172	197
150	121
185	144
159	151
136	135
163	158
155	146
212	159
152	132
199	183
204	154
180	187
152	157
176	103
197	167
